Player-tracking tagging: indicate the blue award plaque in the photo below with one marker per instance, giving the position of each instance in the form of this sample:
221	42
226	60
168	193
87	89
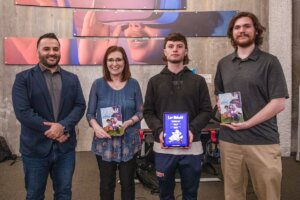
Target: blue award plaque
176	130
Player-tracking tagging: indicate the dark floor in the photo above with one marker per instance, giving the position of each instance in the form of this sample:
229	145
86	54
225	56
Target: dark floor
86	182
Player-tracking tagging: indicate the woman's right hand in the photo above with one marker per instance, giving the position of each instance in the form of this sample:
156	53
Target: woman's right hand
99	131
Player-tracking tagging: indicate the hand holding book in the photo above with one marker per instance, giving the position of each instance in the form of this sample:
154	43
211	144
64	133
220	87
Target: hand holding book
191	137
126	124
99	131
238	126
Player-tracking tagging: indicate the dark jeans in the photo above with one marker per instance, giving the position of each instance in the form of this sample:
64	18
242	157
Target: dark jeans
189	168
61	168
108	178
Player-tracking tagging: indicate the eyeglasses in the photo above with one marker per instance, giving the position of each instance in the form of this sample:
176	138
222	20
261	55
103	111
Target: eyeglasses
117	60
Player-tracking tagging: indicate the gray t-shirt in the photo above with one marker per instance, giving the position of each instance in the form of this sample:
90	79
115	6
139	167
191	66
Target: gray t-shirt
260	79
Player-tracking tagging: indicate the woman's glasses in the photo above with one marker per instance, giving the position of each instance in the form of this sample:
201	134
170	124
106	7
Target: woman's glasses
117	60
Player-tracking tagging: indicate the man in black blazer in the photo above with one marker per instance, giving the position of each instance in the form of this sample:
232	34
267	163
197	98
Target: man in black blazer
48	101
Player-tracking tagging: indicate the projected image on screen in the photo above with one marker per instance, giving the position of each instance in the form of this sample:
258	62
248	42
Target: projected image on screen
22	51
108	4
150	24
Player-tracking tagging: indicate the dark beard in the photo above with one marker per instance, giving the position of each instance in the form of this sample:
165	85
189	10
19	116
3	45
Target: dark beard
44	62
245	44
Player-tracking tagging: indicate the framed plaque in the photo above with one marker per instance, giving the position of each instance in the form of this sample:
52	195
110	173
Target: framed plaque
176	130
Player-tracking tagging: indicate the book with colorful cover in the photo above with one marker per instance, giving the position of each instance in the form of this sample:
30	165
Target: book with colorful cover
176	130
231	107
112	120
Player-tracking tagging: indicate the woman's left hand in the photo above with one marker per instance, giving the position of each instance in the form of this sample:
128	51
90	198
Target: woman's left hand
126	124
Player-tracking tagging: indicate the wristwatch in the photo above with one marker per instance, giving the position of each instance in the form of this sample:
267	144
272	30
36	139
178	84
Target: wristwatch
66	132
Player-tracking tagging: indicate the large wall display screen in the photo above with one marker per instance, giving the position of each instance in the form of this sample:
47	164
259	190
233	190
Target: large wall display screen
150	24
108	4
22	51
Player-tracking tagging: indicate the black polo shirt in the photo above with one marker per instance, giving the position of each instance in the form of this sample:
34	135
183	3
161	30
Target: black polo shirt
260	79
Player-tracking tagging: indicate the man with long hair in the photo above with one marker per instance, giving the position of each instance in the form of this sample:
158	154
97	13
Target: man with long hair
251	148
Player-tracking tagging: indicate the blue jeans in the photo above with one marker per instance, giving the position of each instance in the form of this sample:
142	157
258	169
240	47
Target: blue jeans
60	167
189	167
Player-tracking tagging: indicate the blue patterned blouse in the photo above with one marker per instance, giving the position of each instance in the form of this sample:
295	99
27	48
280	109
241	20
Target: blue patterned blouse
119	148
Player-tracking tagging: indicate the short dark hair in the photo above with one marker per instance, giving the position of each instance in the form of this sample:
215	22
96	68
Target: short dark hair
177	37
126	74
257	25
47	35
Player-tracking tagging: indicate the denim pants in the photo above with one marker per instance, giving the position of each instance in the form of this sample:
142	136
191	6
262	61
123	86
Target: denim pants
108	178
189	167
60	167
